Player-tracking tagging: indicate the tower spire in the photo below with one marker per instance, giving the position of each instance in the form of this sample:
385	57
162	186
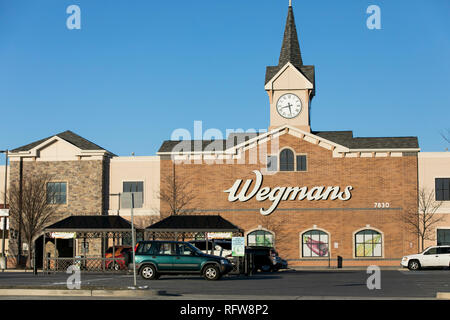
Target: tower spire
290	49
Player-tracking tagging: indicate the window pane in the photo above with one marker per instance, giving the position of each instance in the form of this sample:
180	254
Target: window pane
286	160
315	244
301	163
442	189
443	237
272	164
260	238
368	243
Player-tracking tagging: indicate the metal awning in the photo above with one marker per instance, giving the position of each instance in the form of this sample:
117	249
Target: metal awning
90	224
193	223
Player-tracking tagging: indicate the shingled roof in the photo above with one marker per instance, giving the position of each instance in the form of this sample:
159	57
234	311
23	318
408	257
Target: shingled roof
343	138
346	139
86	223
199	223
290	52
68	136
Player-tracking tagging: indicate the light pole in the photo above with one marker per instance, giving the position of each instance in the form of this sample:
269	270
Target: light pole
133	235
4	205
133	240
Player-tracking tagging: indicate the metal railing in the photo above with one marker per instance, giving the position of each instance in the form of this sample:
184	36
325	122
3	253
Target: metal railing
94	264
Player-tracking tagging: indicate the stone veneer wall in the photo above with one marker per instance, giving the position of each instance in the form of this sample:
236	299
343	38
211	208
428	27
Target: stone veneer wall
87	187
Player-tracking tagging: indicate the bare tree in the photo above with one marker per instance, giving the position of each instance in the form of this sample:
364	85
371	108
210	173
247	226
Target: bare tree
143	222
176	193
34	205
421	223
274	225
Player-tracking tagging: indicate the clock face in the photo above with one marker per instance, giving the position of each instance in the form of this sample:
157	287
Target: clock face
289	106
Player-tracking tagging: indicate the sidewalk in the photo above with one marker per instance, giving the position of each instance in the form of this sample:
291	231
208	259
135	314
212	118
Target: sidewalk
362	268
19	270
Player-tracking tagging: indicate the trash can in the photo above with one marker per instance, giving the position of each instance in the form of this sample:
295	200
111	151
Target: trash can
339	262
2	263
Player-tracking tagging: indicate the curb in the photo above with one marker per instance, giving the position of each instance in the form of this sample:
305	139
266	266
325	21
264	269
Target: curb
80	293
342	269
443	295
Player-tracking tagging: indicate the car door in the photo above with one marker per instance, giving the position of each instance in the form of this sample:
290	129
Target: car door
186	258
430	258
164	256
444	256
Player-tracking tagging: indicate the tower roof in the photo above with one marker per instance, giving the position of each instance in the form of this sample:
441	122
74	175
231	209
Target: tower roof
290	49
290	52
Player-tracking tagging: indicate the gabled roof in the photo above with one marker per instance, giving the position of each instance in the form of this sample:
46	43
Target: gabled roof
342	138
189	223
346	139
202	145
87	223
68	136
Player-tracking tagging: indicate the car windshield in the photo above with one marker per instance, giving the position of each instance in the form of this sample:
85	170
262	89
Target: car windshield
195	249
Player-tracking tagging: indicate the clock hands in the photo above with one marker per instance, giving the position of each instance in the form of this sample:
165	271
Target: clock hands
288	106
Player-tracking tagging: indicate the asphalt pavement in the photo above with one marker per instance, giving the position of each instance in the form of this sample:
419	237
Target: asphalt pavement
303	284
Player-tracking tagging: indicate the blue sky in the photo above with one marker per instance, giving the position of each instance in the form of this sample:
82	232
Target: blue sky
137	70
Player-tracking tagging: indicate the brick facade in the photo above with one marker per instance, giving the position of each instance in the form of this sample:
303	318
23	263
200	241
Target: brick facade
386	179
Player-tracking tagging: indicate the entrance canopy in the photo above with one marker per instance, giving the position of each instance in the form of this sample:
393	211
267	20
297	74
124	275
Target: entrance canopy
89	237
85	224
191	226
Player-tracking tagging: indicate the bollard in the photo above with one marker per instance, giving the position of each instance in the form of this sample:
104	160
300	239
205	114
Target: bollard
339	262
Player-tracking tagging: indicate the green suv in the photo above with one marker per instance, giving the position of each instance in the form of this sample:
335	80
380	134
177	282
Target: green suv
154	258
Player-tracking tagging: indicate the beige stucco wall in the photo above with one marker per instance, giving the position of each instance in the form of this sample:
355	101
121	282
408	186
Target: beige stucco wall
435	165
2	183
289	81
144	169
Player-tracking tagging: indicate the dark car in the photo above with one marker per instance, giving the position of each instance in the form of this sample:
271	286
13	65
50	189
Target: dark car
154	258
265	259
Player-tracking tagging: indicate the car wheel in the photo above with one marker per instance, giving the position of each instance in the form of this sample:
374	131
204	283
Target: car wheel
114	266
265	268
149	272
414	265
211	272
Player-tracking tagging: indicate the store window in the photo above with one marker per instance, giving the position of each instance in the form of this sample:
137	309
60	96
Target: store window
260	238
315	243
301	162
57	192
135	186
368	243
286	160
442	187
272	164
443	237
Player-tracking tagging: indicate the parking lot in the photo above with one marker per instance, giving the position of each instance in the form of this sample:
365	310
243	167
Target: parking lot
285	284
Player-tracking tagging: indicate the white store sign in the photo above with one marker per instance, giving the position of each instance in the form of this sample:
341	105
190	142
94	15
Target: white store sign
278	194
4	212
2	221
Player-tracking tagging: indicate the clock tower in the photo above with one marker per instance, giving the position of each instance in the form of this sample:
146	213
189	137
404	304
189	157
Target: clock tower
291	84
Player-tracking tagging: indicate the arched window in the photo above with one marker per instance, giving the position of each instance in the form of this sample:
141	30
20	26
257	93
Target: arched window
286	160
368	243
315	243
260	238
